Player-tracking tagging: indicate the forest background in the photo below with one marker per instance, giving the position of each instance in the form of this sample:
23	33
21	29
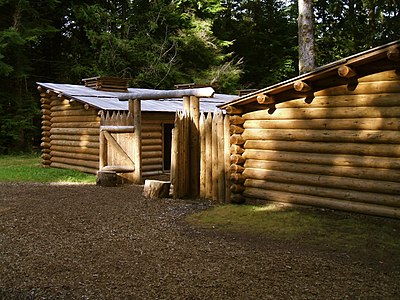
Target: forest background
230	44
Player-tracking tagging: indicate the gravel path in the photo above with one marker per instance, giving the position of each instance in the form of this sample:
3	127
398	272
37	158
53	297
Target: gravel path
89	242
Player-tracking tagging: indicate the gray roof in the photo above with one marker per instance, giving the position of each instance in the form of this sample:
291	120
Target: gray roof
110	100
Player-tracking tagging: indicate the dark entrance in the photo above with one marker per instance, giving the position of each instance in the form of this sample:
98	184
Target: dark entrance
167	146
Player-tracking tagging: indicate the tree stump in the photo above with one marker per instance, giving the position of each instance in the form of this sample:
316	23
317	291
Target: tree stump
107	178
156	188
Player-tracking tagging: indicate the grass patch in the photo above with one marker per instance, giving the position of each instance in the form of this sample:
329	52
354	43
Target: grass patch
28	168
361	234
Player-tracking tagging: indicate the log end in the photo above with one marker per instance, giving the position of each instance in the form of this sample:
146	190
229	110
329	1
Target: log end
154	189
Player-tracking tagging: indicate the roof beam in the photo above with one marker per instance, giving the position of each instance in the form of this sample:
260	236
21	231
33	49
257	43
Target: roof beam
346	72
265	99
301	86
393	54
162	94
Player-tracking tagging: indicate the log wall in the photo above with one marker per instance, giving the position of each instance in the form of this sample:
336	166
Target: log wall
73	135
70	136
342	151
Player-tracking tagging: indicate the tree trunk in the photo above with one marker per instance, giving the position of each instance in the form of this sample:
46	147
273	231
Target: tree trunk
306	36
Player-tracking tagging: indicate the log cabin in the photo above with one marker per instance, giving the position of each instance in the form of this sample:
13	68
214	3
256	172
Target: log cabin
329	138
71	117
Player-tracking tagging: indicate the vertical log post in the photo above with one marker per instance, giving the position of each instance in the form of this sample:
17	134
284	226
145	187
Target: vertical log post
226	156
209	157
203	169
194	146
135	110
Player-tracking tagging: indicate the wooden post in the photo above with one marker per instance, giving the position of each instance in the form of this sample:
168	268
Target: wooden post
135	110
194	147
203	161
209	156
227	157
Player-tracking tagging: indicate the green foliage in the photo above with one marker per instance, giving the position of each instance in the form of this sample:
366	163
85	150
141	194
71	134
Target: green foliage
230	44
27	168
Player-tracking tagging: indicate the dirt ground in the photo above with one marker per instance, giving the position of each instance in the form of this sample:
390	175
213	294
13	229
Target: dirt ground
89	242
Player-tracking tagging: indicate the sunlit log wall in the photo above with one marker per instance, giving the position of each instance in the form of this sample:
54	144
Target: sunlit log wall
342	151
70	136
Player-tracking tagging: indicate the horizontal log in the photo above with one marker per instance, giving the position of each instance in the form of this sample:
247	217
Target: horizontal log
234	110
236	149
46	139
60	101
46	162
364	88
45	112
66	119
379	100
46	117
237	177
151	142
45	128
326	113
46	133
160	94
301	86
362	185
152	135
74	113
381	76
328	124
76	131
66	107
331	203
236	120
346	72
75	162
83	156
236	168
237	139
237	188
45	156
118	129
71	137
45	150
340	136
152	161
156	167
118	169
81	144
74	167
76	125
45	145
45	106
381	150
380	199
151	173
152	148
75	149
237	159
152	154
341	171
236	129
151	127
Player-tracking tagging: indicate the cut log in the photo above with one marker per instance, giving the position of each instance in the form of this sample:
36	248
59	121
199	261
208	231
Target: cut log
236	120
156	189
265	99
161	94
107	178
237	139
301	86
234	110
346	72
